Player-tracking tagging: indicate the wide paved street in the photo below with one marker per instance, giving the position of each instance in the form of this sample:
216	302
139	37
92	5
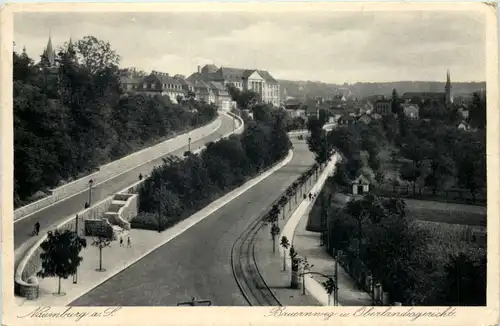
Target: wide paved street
197	263
53	215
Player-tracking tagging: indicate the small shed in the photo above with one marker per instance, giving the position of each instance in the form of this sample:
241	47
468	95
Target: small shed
360	185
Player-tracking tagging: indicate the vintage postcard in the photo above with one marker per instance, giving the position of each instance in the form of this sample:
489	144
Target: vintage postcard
270	163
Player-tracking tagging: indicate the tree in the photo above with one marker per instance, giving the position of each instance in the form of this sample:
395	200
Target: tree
466	280
275	230
395	102
409	172
471	166
329	286
282	202
441	167
101	242
61	255
285	244
96	55
478	111
417	150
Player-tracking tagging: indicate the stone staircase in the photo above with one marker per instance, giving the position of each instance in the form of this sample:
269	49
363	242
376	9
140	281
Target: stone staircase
110	223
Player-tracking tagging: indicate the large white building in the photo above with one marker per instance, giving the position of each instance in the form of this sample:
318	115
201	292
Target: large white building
259	81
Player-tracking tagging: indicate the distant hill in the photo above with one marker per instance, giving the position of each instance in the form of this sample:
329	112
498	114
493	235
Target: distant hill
313	89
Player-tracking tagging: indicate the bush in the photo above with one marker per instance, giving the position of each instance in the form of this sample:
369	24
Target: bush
179	187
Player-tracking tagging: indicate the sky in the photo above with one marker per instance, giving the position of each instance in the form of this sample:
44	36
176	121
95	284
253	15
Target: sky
327	46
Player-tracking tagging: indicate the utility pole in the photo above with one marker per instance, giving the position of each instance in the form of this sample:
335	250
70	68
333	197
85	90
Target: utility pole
189	144
75	276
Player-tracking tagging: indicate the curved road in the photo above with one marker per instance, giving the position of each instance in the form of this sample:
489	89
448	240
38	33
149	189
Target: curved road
197	263
53	215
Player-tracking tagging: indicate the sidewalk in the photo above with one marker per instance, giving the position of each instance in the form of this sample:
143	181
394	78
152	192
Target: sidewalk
306	244
116	258
271	266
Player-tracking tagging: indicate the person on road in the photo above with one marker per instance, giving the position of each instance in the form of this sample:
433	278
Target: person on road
121	242
37	228
310	196
87	205
129	244
140	176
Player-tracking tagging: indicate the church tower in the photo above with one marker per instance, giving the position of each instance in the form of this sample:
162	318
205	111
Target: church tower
49	53
447	90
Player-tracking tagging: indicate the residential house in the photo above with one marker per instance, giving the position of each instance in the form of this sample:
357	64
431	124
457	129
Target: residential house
222	99
463	110
160	83
365	118
204	91
463	126
294	108
130	79
346	119
383	107
360	185
376	116
186	85
411	110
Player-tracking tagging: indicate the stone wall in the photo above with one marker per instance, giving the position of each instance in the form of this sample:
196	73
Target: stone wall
117	167
99	227
31	263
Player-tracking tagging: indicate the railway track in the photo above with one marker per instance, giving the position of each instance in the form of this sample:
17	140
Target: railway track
245	270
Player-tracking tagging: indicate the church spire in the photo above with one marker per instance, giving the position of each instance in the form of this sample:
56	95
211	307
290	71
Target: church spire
447	89
49	51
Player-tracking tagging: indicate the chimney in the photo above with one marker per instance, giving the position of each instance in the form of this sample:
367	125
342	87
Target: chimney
199	69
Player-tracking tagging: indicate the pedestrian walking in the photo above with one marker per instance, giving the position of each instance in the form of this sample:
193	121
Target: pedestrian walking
310	196
87	205
37	228
129	244
121	242
140	176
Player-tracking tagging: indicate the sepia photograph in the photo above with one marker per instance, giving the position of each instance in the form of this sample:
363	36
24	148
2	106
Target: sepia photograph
236	157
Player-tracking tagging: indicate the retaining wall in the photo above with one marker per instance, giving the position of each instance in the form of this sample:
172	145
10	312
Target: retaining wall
31	263
99	228
117	167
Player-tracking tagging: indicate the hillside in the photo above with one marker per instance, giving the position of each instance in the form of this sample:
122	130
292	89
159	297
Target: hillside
313	89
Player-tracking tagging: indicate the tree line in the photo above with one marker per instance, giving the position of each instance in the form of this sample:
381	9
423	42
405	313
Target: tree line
378	238
180	187
376	235
72	116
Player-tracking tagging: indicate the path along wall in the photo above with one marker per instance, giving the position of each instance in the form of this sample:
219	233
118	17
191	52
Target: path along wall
25	286
117	167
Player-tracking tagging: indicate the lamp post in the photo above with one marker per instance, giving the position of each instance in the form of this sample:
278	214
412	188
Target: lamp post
91	182
189	144
75	276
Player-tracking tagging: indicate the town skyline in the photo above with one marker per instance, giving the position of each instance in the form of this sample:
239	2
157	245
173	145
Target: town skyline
371	50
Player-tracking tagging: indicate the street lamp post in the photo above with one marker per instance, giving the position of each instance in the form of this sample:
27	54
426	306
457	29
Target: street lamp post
91	182
189	144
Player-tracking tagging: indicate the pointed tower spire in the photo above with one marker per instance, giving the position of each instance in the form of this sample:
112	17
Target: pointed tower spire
49	50
447	89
